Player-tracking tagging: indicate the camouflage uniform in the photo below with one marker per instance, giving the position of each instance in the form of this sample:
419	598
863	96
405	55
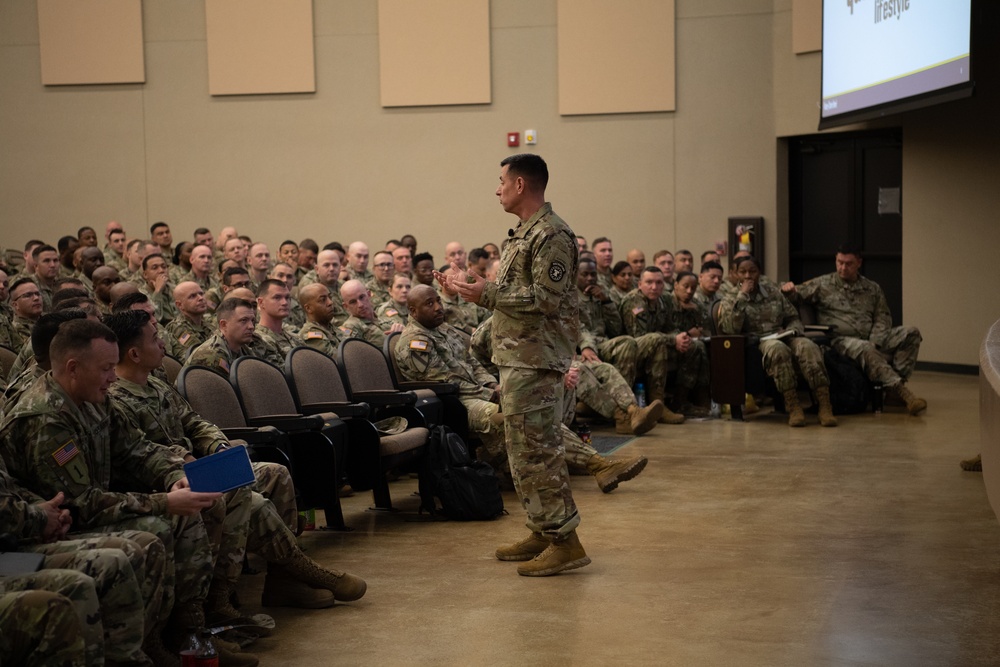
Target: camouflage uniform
463	314
9	337
864	328
163	301
25	358
128	568
52	445
355	327
42	616
182	335
206	284
363	276
340	315
765	312
113	259
214	353
213	297
321	338
380	293
685	319
167	419
296	316
535	330
88	284
439	355
616	295
274	347
604	280
22	327
603	388
601	330
642	318
390	313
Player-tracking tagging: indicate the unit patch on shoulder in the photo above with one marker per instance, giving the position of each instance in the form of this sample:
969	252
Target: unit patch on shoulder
391	312
557	271
418	345
310	335
637	310
224	365
65	454
185	338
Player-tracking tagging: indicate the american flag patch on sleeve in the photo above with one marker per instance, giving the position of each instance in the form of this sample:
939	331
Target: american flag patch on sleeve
65	454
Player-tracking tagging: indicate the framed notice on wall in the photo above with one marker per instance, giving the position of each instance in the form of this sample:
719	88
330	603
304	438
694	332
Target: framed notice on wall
746	234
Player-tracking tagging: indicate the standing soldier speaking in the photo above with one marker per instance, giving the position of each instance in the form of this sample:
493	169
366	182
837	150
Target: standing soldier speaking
535	326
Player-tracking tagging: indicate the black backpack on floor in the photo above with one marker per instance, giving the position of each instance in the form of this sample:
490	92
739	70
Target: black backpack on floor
468	490
850	391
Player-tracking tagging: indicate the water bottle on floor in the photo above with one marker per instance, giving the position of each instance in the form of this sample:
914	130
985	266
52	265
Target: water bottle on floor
640	395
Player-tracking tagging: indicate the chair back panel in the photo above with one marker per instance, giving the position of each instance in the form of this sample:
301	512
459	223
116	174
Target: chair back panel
172	368
315	377
211	396
366	367
262	388
391	340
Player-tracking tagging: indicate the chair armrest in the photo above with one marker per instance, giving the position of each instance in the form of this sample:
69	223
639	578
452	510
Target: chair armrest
287	423
381	399
439	388
252	436
340	409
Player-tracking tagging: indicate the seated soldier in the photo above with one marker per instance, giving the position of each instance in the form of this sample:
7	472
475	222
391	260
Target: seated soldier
361	323
459	313
286	273
709	281
689	315
857	309
383	269
233	277
189	329
26	298
105	277
395	309
423	269
270	518
762	310
41	626
622	281
319	331
156	285
431	350
275	340
647	311
232	339
64	435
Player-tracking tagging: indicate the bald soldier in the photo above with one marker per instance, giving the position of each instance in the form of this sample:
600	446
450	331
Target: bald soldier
362	324
319	332
357	262
189	329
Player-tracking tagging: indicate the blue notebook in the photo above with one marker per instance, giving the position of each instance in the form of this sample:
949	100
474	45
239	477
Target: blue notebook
223	471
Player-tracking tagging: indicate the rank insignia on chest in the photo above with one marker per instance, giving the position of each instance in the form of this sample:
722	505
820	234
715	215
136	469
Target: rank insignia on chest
418	345
556	271
65	454
312	335
637	310
185	338
391	312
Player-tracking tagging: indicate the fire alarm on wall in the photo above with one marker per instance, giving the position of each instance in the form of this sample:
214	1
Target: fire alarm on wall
513	139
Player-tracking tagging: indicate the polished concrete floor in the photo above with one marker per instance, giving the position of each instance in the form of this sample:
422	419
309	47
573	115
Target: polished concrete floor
741	544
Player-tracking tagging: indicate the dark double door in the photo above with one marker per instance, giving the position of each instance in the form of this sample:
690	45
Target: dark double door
848	188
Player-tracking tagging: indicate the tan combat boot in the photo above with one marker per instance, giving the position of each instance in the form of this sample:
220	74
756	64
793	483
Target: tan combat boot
636	420
281	590
219	610
795	415
345	587
683	404
826	417
563	554
667	417
525	549
609	473
914	404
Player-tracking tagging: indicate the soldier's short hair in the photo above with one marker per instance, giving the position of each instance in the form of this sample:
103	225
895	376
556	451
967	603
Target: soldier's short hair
60	283
266	285
40	249
233	271
127	327
309	244
148	258
849	249
32	243
477	254
617	269
661	253
64	241
46	328
530	167
68	293
229	306
75	336
707	266
201	231
129	300
20	281
651	269
333	245
423	256
683	274
591	260
706	254
743	260
133	243
599	239
157	225
84	303
288	242
684	252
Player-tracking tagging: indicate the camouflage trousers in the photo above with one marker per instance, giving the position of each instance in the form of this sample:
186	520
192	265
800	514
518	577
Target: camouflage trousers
189	564
226	523
783	357
42	616
274	482
902	344
603	388
623	353
131	604
653	362
269	535
494	449
692	366
531	400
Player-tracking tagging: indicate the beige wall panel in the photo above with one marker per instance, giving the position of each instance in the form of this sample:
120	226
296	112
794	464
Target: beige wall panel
716	8
615	56
725	134
807	26
260	47
18	22
434	52
71	157
90	41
